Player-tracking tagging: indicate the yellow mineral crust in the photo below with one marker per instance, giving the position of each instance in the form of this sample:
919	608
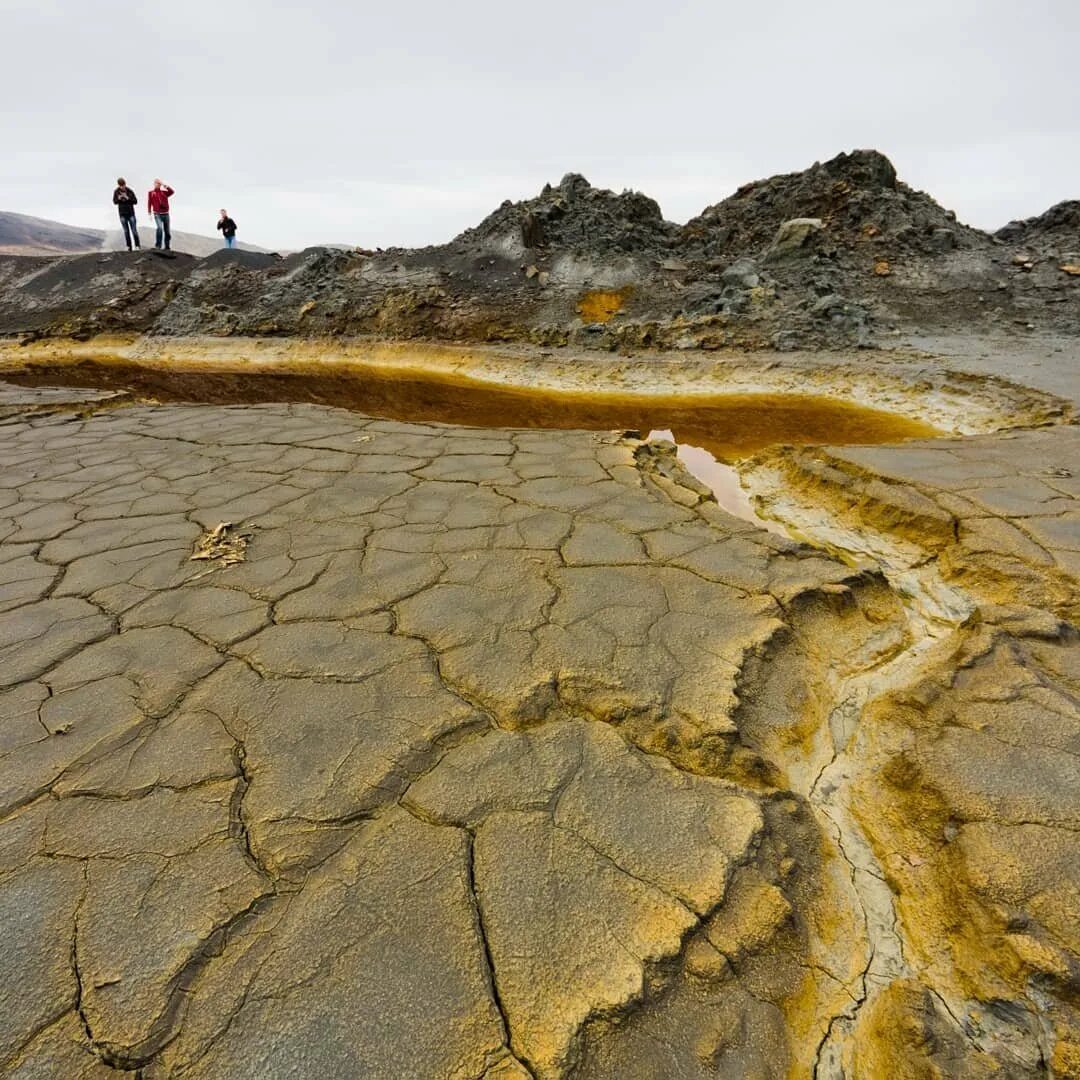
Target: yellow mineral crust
601	305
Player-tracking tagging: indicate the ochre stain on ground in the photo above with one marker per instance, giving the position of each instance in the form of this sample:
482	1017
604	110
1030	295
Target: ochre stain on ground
600	305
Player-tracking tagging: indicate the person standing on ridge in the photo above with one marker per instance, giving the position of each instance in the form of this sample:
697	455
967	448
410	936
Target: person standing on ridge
157	203
125	200
228	228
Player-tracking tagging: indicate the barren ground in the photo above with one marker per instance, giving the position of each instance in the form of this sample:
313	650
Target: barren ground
497	751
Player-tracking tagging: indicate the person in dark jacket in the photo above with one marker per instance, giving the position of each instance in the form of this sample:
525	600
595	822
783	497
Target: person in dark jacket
125	200
157	202
228	228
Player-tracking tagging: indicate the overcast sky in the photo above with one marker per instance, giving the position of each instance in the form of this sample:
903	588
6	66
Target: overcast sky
405	121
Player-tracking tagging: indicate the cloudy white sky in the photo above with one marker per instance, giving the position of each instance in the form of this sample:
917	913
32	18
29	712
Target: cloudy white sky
404	121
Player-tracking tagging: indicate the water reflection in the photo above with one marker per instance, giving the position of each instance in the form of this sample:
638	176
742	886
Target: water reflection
722	479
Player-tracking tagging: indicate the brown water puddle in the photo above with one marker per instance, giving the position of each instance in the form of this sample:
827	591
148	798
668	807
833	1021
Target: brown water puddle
729	426
710	430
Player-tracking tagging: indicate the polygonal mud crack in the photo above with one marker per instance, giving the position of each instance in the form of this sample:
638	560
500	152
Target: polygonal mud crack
480	761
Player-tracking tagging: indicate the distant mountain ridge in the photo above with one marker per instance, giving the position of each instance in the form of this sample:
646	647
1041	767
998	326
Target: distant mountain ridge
21	234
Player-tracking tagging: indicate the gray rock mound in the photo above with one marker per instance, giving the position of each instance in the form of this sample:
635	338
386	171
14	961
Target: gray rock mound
1058	227
575	216
856	196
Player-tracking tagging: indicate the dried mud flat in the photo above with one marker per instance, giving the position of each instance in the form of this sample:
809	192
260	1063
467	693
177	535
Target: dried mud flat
339	746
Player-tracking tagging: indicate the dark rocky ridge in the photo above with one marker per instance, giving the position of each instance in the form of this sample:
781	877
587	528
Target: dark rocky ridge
1058	227
575	216
856	196
841	253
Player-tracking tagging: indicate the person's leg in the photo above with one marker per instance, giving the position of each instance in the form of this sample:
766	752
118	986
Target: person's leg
125	224
168	232
157	233
135	232
230	241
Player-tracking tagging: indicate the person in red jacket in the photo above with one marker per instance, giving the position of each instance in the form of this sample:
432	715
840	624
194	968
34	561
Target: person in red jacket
157	202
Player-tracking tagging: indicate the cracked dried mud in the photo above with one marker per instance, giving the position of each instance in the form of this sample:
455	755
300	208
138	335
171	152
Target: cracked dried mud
337	746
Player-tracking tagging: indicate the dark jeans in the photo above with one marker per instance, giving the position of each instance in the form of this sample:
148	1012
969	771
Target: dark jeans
162	222
131	231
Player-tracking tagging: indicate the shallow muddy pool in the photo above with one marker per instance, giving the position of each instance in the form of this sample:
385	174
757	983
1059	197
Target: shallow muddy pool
729	426
711	430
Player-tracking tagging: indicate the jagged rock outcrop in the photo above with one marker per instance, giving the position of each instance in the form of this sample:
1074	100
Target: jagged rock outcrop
575	217
1058	227
856	196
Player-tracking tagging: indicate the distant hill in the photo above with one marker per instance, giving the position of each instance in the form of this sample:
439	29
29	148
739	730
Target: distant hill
21	234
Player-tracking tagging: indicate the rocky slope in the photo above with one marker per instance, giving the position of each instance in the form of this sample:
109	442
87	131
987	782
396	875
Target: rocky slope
842	253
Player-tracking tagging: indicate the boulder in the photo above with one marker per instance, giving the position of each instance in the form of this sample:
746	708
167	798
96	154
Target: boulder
824	307
532	231
943	239
743	273
840	313
795	237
